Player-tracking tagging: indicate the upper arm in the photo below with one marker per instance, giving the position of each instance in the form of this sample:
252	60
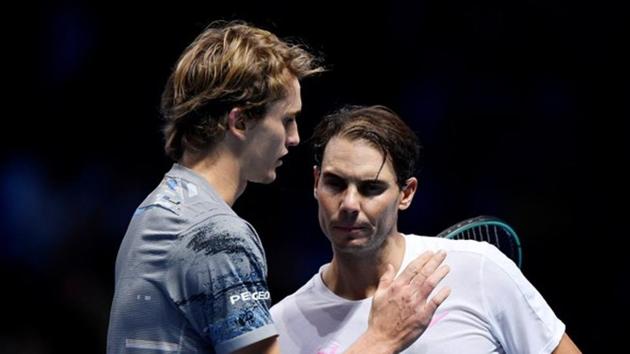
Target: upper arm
218	282
521	319
566	346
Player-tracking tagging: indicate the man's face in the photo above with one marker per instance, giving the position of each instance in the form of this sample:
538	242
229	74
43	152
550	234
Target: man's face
271	137
358	201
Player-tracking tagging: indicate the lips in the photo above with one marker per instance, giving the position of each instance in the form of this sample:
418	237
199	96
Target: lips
279	160
349	228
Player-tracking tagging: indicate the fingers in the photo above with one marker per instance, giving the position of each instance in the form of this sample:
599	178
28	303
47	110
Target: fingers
401	308
426	280
414	267
429	267
422	276
424	286
422	267
437	300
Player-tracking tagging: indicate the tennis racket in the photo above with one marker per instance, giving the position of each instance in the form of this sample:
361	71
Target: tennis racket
490	229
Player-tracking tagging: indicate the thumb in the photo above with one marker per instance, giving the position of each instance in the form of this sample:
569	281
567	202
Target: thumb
387	278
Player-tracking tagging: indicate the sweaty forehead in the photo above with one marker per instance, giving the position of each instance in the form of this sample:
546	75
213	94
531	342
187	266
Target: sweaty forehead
356	159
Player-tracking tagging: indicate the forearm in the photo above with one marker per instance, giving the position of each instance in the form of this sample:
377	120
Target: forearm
566	346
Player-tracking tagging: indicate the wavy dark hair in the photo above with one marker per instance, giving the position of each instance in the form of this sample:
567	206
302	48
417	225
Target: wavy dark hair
379	126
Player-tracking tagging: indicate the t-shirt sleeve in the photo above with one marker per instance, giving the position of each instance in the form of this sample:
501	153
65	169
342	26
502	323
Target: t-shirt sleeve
521	318
218	281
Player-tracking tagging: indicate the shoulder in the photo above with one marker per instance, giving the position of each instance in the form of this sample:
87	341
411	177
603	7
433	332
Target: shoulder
475	262
459	248
221	225
467	257
219	234
176	204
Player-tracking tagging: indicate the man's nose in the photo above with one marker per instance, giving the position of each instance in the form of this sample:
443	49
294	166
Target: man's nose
350	201
293	136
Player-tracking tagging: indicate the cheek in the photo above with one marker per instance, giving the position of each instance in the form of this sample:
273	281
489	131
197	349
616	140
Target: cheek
272	146
270	139
266	149
326	205
323	217
281	137
384	212
276	133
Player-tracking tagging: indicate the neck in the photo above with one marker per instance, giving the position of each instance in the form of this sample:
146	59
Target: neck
356	277
221	170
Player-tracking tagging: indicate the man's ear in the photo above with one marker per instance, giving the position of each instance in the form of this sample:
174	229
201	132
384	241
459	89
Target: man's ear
407	192
316	174
236	122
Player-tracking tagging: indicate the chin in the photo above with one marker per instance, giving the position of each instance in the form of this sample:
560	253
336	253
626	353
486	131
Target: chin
354	249
359	245
353	246
266	179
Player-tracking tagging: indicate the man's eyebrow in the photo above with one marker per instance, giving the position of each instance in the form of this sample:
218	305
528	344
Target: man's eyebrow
329	174
374	181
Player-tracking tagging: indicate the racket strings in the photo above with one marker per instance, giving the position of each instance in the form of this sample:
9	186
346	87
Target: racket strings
491	234
495	233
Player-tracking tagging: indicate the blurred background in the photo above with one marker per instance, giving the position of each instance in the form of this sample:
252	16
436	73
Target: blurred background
522	108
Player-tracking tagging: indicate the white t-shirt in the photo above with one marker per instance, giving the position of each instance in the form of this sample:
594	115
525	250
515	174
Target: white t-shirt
492	308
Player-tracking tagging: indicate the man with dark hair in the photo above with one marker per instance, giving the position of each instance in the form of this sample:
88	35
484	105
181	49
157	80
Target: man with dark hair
365	161
190	273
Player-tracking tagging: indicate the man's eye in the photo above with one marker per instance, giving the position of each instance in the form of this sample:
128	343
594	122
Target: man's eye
372	189
335	184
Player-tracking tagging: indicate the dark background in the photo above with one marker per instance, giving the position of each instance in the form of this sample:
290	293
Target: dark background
522	108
